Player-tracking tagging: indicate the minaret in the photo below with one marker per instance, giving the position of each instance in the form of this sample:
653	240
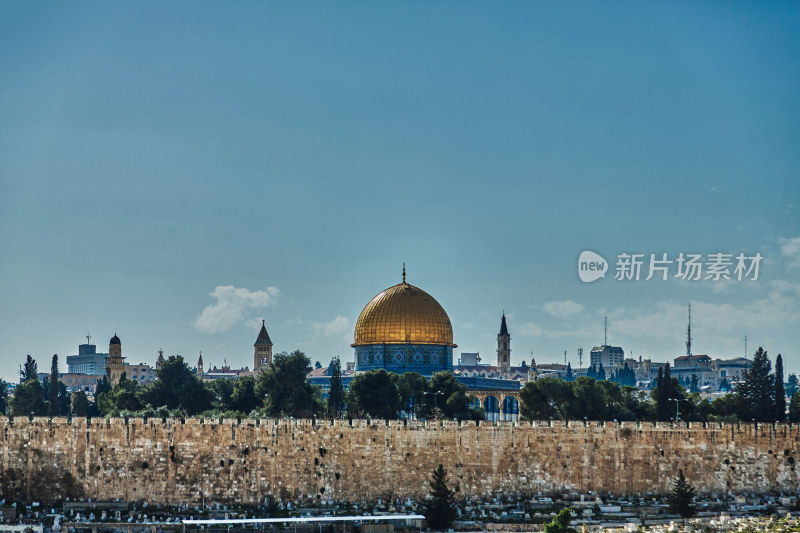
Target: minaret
263	350
115	366
503	347
200	366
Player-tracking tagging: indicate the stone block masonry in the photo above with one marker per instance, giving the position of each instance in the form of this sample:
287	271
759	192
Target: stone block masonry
175	461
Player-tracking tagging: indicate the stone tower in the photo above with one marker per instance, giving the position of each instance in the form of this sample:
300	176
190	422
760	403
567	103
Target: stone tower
503	347
115	366
263	350
533	373
200	366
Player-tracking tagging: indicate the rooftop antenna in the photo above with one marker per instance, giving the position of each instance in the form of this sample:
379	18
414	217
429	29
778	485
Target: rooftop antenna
88	339
605	332
745	345
404	271
565	358
689	332
580	357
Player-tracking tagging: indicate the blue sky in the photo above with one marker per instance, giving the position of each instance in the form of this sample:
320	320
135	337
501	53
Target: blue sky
176	172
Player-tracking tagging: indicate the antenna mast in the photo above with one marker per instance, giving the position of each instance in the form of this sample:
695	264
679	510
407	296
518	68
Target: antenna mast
689	333
580	357
745	345
605	331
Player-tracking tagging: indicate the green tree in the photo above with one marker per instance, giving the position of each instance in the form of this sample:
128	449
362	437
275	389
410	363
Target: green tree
546	398
726	407
561	522
793	384
28	399
757	390
336	392
243	397
667	389
177	387
64	400
125	396
601	373
103	385
30	370
52	396
694	384
80	404
285	387
440	507
447	394
794	408
780	392
589	399
412	387
373	393
3	397
222	391
681	498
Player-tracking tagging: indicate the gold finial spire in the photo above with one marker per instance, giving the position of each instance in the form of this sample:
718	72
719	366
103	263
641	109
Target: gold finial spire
404	271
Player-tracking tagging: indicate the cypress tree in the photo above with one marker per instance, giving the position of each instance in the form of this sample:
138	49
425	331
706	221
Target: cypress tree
52	396
336	393
757	390
794	408
682	496
780	392
30	370
440	508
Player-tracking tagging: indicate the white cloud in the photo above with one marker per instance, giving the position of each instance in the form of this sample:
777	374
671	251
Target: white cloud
530	330
564	308
790	248
231	306
337	326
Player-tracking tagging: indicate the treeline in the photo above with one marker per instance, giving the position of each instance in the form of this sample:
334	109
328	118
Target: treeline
34	398
760	396
282	389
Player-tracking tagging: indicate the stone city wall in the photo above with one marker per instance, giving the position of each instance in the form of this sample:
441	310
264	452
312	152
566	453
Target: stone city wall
175	461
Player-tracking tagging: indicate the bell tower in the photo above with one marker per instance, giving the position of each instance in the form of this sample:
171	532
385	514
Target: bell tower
503	347
263	350
115	365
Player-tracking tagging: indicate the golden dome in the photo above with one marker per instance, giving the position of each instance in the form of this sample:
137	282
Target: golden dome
403	314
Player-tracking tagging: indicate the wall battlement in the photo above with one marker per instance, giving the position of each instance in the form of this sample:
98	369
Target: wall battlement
185	461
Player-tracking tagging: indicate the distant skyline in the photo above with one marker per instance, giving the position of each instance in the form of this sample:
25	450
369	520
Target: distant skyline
175	173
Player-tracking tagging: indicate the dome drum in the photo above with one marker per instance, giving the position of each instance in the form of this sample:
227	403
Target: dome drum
399	358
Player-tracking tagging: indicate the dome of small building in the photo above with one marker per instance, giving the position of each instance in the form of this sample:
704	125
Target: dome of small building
114	340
